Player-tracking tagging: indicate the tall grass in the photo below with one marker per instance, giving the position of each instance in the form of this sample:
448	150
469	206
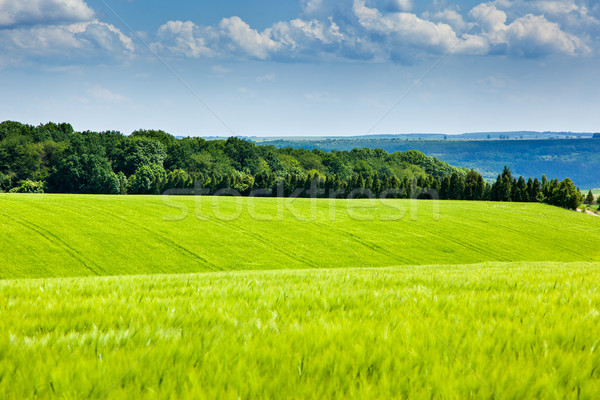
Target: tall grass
520	330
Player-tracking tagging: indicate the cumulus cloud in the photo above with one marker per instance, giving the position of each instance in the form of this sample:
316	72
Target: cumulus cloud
238	36
378	30
14	13
448	15
529	36
534	36
56	30
407	29
84	39
568	13
183	39
374	30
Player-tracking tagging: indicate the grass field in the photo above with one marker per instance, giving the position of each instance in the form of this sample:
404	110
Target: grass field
473	300
520	330
65	235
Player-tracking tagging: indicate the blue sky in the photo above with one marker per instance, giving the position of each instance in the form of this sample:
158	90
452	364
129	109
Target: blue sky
306	67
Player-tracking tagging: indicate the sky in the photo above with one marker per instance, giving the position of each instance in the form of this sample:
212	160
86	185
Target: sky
302	67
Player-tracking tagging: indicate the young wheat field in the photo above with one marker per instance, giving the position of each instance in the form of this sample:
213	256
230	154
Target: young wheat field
519	330
190	297
76	235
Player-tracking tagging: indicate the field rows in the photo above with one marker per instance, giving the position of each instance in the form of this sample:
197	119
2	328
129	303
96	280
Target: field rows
66	235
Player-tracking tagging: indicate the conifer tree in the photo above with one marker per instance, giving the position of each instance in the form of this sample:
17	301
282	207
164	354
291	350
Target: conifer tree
589	199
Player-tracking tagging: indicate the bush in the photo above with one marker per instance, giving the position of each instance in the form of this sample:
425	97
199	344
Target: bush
28	186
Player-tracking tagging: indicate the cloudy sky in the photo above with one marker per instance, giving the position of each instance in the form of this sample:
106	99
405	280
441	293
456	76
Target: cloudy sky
302	67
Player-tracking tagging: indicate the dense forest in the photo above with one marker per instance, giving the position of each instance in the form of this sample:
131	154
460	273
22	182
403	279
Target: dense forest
578	159
54	158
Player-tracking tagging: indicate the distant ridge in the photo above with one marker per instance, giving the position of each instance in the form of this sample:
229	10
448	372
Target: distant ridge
512	135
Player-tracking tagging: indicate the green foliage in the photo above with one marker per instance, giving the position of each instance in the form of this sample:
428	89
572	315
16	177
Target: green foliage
123	183
159	135
178	179
564	194
150	161
139	152
589	199
87	173
148	179
6	182
578	159
520	330
28	186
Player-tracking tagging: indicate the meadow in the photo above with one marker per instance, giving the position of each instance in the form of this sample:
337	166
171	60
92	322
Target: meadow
493	330
245	298
47	236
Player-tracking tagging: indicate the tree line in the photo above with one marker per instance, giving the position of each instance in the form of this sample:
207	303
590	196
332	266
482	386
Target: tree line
56	159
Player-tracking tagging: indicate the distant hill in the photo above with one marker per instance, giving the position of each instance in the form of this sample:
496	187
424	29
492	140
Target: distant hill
435	136
578	159
76	235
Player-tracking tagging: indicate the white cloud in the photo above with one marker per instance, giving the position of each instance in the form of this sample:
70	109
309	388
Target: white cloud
492	20
243	38
311	6
528	36
63	31
557	7
87	39
409	30
183	39
568	13
534	36
450	16
104	95
104	35
14	13
379	30
382	30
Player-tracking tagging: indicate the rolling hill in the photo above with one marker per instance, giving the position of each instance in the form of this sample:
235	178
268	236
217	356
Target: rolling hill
76	235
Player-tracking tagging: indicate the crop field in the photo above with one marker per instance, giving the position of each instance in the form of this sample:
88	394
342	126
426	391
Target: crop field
245	298
46	236
495	330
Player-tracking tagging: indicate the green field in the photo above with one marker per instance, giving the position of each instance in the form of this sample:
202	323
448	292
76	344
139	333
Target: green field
520	330
470	300
64	235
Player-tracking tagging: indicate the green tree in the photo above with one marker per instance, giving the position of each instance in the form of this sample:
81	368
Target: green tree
178	179
589	199
138	152
6	182
148	179
85	173
565	194
457	187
